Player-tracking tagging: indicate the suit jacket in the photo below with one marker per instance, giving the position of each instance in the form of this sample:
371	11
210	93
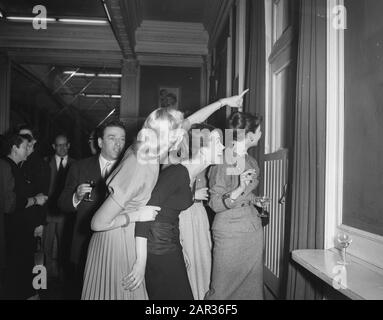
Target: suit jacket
37	175
56	187
80	172
7	203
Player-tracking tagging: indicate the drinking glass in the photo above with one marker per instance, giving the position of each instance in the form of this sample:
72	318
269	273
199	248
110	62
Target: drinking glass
344	241
264	201
88	196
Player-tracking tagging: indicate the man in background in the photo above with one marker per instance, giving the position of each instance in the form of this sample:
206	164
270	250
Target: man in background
59	228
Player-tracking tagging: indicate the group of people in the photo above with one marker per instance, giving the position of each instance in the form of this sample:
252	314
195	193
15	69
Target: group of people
136	226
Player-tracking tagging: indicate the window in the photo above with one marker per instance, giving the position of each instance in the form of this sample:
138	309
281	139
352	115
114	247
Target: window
354	177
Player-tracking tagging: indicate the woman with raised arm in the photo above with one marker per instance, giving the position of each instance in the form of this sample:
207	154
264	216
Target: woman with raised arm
111	251
159	251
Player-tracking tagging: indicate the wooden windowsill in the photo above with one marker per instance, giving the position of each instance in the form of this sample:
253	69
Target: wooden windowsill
358	280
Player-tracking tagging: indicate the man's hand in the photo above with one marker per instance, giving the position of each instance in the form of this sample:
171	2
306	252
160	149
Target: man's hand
81	191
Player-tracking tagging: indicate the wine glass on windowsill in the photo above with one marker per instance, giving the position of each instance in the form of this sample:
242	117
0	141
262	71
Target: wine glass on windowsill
344	241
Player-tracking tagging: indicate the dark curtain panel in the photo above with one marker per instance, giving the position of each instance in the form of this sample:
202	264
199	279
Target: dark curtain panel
308	181
255	68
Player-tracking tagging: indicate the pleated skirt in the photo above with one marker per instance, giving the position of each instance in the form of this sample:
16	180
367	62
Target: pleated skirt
196	243
111	255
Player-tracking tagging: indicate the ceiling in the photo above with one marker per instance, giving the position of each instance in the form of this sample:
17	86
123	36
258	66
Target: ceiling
55	8
174	10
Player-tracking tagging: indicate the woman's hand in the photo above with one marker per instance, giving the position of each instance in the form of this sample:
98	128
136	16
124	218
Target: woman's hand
246	178
235	101
201	194
135	278
146	213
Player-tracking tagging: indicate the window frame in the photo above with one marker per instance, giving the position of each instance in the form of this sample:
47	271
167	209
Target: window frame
365	245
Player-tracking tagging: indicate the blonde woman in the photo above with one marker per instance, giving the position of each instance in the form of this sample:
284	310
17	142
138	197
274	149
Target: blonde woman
111	253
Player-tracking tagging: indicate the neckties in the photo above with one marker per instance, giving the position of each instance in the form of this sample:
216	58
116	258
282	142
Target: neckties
106	169
61	166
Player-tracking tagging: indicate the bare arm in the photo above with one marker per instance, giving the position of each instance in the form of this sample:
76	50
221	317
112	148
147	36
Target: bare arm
204	113
111	216
136	277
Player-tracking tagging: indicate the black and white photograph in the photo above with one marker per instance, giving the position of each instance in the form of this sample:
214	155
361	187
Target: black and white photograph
207	151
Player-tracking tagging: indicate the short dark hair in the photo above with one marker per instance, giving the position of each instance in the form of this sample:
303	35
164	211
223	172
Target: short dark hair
26	127
108	124
64	135
243	121
12	139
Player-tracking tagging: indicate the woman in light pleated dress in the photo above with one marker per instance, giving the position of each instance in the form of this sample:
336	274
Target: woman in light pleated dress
111	252
196	240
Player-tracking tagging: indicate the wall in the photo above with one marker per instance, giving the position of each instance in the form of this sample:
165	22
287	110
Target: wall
187	79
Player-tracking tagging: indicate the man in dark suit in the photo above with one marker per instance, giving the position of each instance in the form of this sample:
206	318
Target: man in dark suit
7	204
59	226
74	198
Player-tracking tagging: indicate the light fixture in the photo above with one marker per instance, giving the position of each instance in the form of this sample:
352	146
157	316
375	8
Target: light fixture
96	95
30	19
109	75
107	11
1	14
100	75
83	21
110	113
80	74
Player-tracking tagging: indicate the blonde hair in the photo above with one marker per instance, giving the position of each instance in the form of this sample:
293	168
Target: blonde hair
159	119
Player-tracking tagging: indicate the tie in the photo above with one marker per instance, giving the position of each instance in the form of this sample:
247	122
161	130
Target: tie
106	169
61	166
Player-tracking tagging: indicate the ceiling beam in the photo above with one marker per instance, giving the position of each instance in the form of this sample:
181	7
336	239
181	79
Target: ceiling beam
59	44
126	16
217	12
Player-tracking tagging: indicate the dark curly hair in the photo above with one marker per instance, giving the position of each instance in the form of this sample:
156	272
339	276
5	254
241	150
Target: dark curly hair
243	121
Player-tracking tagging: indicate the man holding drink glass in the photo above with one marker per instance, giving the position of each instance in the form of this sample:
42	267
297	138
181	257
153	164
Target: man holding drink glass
85	191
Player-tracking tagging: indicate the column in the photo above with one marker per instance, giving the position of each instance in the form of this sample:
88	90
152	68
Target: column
130	86
5	92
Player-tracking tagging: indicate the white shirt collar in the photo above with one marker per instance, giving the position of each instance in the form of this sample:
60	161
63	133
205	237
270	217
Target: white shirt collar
58	160
103	162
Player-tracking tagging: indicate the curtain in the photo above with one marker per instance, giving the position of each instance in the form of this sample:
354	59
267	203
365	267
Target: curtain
256	68
308	176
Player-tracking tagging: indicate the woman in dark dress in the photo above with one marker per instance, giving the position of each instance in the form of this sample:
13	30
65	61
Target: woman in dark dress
19	225
159	252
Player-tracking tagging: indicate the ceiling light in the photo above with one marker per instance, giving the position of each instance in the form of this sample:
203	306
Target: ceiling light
96	95
107	11
84	21
30	19
101	75
80	74
109	75
1	14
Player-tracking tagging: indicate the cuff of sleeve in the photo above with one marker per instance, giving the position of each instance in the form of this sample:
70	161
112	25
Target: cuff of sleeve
75	202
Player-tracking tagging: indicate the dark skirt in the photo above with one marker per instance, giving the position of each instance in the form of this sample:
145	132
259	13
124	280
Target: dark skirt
166	277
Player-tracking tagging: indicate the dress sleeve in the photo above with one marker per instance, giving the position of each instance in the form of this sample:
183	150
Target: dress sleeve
126	180
219	185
